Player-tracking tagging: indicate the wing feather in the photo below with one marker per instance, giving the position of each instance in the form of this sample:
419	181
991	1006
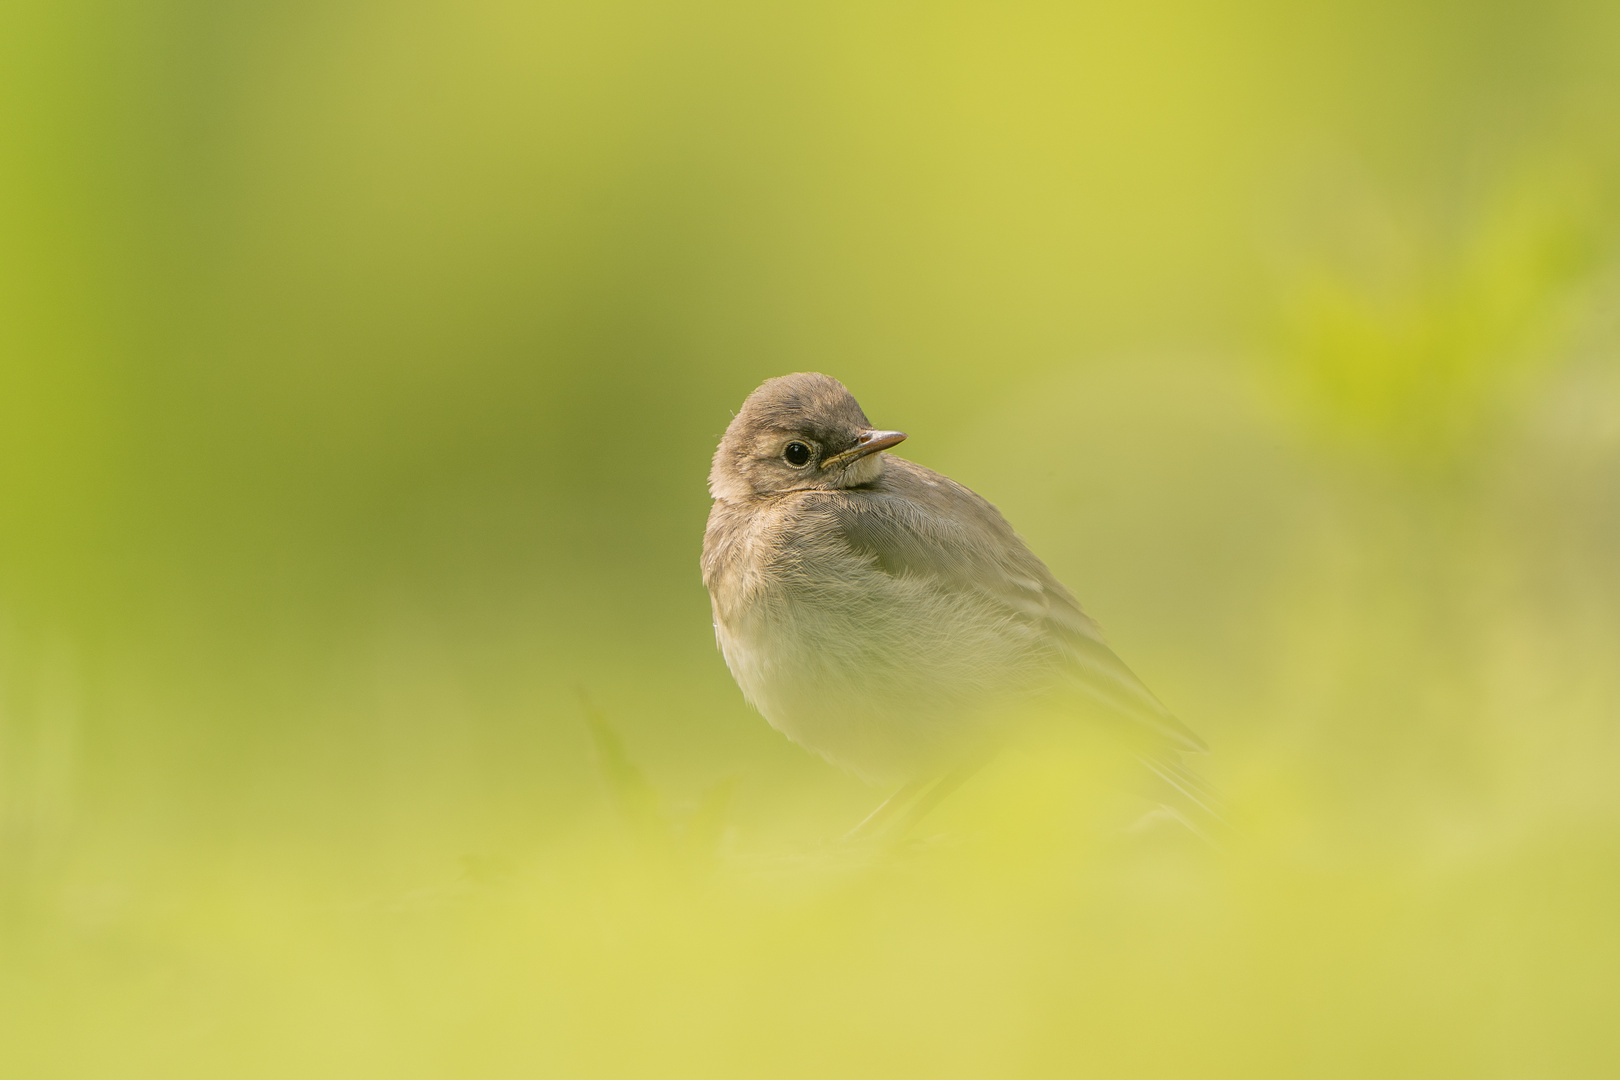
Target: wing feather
919	523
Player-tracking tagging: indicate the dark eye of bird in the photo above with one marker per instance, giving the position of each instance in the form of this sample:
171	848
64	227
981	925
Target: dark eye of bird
797	454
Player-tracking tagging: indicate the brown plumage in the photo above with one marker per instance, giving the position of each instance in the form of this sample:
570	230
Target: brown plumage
882	614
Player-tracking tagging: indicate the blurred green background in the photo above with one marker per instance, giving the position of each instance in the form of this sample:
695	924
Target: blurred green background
359	368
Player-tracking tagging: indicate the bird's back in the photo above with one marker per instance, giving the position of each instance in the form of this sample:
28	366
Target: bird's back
888	626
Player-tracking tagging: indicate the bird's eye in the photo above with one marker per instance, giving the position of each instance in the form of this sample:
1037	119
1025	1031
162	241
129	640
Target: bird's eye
797	454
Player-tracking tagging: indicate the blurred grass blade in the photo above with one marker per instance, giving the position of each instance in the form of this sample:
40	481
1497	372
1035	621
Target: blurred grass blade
632	795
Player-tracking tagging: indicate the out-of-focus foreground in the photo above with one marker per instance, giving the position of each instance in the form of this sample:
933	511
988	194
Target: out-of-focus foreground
359	368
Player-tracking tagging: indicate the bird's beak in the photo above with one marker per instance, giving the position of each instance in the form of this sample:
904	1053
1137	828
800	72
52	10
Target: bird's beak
870	442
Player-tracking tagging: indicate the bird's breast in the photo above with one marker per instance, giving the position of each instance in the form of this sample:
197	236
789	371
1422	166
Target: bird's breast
876	671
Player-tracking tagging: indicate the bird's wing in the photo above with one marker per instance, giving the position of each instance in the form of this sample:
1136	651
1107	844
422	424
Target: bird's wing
938	529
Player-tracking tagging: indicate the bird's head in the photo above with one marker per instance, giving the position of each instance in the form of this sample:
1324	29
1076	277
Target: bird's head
795	433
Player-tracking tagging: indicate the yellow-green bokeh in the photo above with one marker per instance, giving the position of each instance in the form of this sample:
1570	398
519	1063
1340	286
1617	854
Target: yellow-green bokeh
359	368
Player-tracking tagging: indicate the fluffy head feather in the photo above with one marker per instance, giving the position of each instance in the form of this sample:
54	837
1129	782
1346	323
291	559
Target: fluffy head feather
805	407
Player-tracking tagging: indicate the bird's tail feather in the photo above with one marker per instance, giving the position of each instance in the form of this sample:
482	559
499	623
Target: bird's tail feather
1188	796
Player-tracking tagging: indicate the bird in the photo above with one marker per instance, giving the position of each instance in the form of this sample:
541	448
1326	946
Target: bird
888	618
